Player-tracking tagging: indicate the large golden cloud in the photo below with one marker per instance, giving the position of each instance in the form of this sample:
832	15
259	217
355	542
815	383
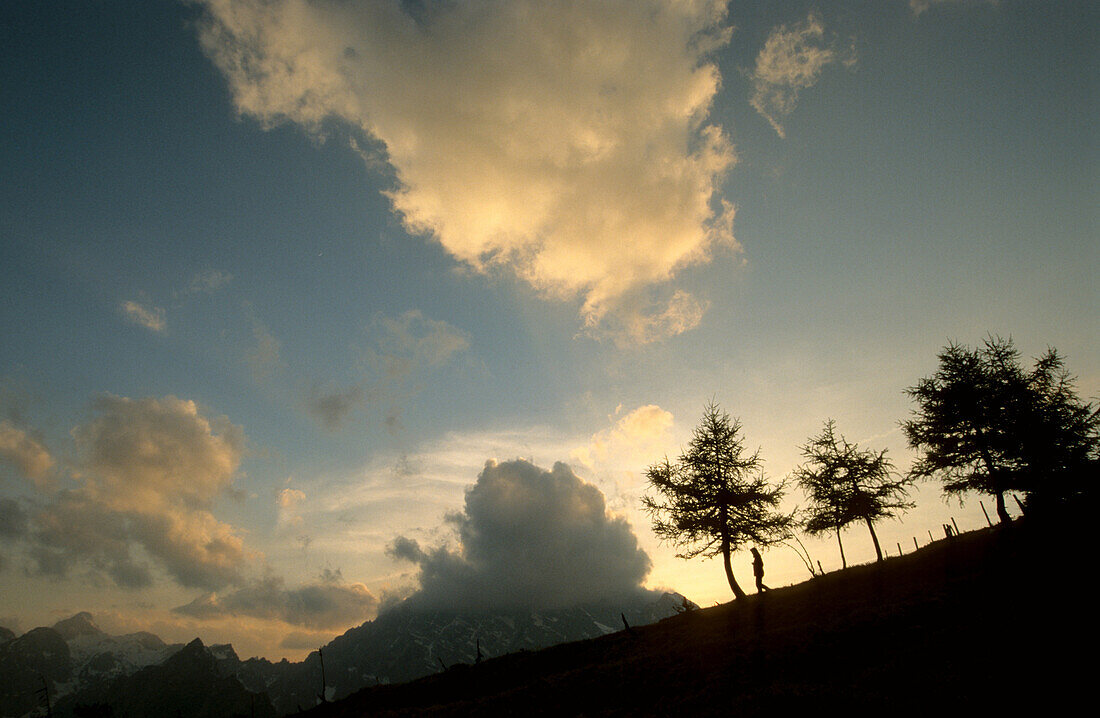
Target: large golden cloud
565	141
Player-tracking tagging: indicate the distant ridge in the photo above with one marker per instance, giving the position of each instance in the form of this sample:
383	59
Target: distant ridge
406	643
89	672
189	683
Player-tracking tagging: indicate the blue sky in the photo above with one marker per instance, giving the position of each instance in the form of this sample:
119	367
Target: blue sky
328	259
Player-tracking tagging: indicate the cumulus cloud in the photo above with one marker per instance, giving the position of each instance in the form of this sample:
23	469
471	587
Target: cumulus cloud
565	142
791	60
528	538
152	318
151	451
330	602
150	472
74	531
24	452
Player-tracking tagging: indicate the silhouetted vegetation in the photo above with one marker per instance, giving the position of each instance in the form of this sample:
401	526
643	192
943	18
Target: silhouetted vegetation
715	498
846	484
985	424
946	630
1060	436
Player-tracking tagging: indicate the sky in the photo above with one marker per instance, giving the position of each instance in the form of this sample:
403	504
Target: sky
308	307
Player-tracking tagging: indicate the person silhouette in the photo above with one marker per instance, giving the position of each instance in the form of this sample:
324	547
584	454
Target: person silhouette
758	570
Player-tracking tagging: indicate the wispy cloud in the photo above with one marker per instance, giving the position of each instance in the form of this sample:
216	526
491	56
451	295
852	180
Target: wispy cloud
401	351
637	322
209	281
152	318
411	342
791	61
920	6
265	356
332	406
635	436
590	186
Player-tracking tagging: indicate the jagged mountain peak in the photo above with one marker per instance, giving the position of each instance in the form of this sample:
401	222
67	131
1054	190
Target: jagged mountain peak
82	624
224	654
192	657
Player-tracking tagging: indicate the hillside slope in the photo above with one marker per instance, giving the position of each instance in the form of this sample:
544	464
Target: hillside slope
968	625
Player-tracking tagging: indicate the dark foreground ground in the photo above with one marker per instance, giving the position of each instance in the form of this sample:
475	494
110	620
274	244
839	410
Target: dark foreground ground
993	621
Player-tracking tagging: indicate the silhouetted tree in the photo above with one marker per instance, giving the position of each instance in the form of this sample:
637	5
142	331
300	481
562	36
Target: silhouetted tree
985	424
846	484
715	498
1059	437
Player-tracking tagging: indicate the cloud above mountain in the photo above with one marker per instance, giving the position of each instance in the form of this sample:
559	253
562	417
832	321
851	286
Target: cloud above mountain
567	143
528	537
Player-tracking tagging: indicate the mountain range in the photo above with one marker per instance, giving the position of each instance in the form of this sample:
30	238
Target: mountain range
86	672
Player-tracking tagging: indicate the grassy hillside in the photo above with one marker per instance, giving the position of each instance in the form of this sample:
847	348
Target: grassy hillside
978	623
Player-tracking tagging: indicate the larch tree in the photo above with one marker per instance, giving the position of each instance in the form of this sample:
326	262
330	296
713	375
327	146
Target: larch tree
715	499
983	423
1059	438
846	484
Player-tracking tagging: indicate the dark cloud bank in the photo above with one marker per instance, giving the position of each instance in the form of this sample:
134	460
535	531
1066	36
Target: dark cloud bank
328	603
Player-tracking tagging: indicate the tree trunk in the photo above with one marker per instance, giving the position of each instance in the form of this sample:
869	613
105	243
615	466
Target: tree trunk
874	538
1002	512
843	561
737	592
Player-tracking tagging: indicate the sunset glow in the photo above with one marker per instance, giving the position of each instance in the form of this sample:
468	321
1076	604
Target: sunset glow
312	306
